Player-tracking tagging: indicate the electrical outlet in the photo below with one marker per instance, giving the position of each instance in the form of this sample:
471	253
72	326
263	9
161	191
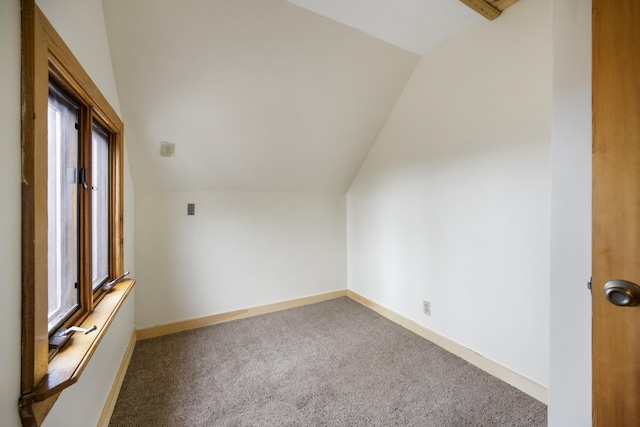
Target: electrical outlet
426	307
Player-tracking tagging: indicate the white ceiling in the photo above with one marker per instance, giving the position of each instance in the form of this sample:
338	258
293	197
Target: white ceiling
263	95
413	25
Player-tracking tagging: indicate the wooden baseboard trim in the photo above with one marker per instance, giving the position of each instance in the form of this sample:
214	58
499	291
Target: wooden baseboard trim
527	386
172	328
110	404
524	384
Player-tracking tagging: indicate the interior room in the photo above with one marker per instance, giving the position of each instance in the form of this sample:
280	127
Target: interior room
332	152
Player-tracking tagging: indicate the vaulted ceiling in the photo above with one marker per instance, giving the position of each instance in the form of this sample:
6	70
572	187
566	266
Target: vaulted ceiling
414	25
265	95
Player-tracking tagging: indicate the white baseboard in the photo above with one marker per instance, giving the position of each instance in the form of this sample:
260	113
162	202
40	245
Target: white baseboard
524	384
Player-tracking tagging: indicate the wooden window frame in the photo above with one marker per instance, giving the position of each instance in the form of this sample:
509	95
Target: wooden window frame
44	374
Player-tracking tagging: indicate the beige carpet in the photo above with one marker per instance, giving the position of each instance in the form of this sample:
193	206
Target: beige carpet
334	363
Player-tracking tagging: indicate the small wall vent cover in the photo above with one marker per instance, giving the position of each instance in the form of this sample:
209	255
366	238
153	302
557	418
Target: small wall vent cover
167	149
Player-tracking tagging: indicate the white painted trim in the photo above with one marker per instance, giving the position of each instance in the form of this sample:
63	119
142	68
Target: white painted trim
523	384
110	403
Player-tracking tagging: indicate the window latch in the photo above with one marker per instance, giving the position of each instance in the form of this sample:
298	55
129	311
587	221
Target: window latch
63	335
108	286
79	329
83	177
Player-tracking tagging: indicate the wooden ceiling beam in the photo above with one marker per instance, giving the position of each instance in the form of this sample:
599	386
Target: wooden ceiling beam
500	4
490	9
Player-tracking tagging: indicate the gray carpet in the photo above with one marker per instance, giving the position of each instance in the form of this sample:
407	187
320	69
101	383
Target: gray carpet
334	363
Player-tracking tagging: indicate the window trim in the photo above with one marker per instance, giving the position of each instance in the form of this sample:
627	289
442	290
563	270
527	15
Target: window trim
42	380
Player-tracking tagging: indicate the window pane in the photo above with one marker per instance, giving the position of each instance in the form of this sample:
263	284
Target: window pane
62	208
100	205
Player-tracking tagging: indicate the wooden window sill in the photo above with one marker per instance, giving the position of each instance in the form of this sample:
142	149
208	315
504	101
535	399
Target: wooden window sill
67	366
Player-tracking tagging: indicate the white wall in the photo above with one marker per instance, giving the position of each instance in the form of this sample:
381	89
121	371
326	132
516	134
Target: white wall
10	211
82	26
570	387
241	249
452	204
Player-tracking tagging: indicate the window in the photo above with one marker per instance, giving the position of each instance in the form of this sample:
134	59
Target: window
62	207
67	178
100	206
72	226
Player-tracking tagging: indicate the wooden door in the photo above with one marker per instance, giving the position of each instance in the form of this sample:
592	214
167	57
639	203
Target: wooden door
616	209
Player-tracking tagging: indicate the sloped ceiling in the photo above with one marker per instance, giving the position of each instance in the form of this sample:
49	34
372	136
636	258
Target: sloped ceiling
414	25
257	95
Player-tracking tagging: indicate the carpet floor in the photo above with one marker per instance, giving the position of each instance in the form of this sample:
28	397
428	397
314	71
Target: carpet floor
334	363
